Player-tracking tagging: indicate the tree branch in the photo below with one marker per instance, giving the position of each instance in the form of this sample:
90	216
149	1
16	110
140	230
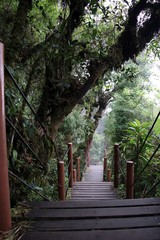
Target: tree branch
133	41
20	26
129	44
21	18
74	19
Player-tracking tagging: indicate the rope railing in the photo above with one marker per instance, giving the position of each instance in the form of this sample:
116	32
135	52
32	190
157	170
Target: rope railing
122	172
151	189
151	157
28	186
24	141
149	132
65	154
67	187
60	163
146	165
24	97
29	147
38	120
30	107
120	165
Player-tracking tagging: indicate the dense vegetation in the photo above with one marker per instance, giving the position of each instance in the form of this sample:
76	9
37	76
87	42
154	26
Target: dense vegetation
61	54
133	113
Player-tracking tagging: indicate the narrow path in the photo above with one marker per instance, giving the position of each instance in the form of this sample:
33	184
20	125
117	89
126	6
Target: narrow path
92	186
94	173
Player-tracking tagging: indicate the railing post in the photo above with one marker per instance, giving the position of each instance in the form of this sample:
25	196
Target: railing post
105	166
130	180
104	169
108	175
70	165
5	215
116	165
74	175
78	169
61	181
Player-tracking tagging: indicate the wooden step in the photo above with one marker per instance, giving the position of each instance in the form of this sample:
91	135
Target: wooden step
96	204
94	213
93	198
92	191
106	220
125	234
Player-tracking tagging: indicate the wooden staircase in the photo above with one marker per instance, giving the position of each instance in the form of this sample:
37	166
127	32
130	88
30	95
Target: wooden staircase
93	213
137	219
92	186
82	191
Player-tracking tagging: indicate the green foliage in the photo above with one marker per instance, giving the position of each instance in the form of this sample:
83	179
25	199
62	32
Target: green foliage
131	144
131	149
73	127
130	100
154	47
131	113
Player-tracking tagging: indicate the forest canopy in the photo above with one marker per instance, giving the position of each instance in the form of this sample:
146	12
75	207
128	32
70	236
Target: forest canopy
59	50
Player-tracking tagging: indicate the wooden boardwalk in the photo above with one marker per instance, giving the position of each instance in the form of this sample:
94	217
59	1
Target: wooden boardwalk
94	173
102	218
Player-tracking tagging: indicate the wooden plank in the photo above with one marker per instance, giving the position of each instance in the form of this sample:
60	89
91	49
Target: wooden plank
107	224
92	212
93	199
93	196
93	183
93	193
127	234
92	188
96	204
